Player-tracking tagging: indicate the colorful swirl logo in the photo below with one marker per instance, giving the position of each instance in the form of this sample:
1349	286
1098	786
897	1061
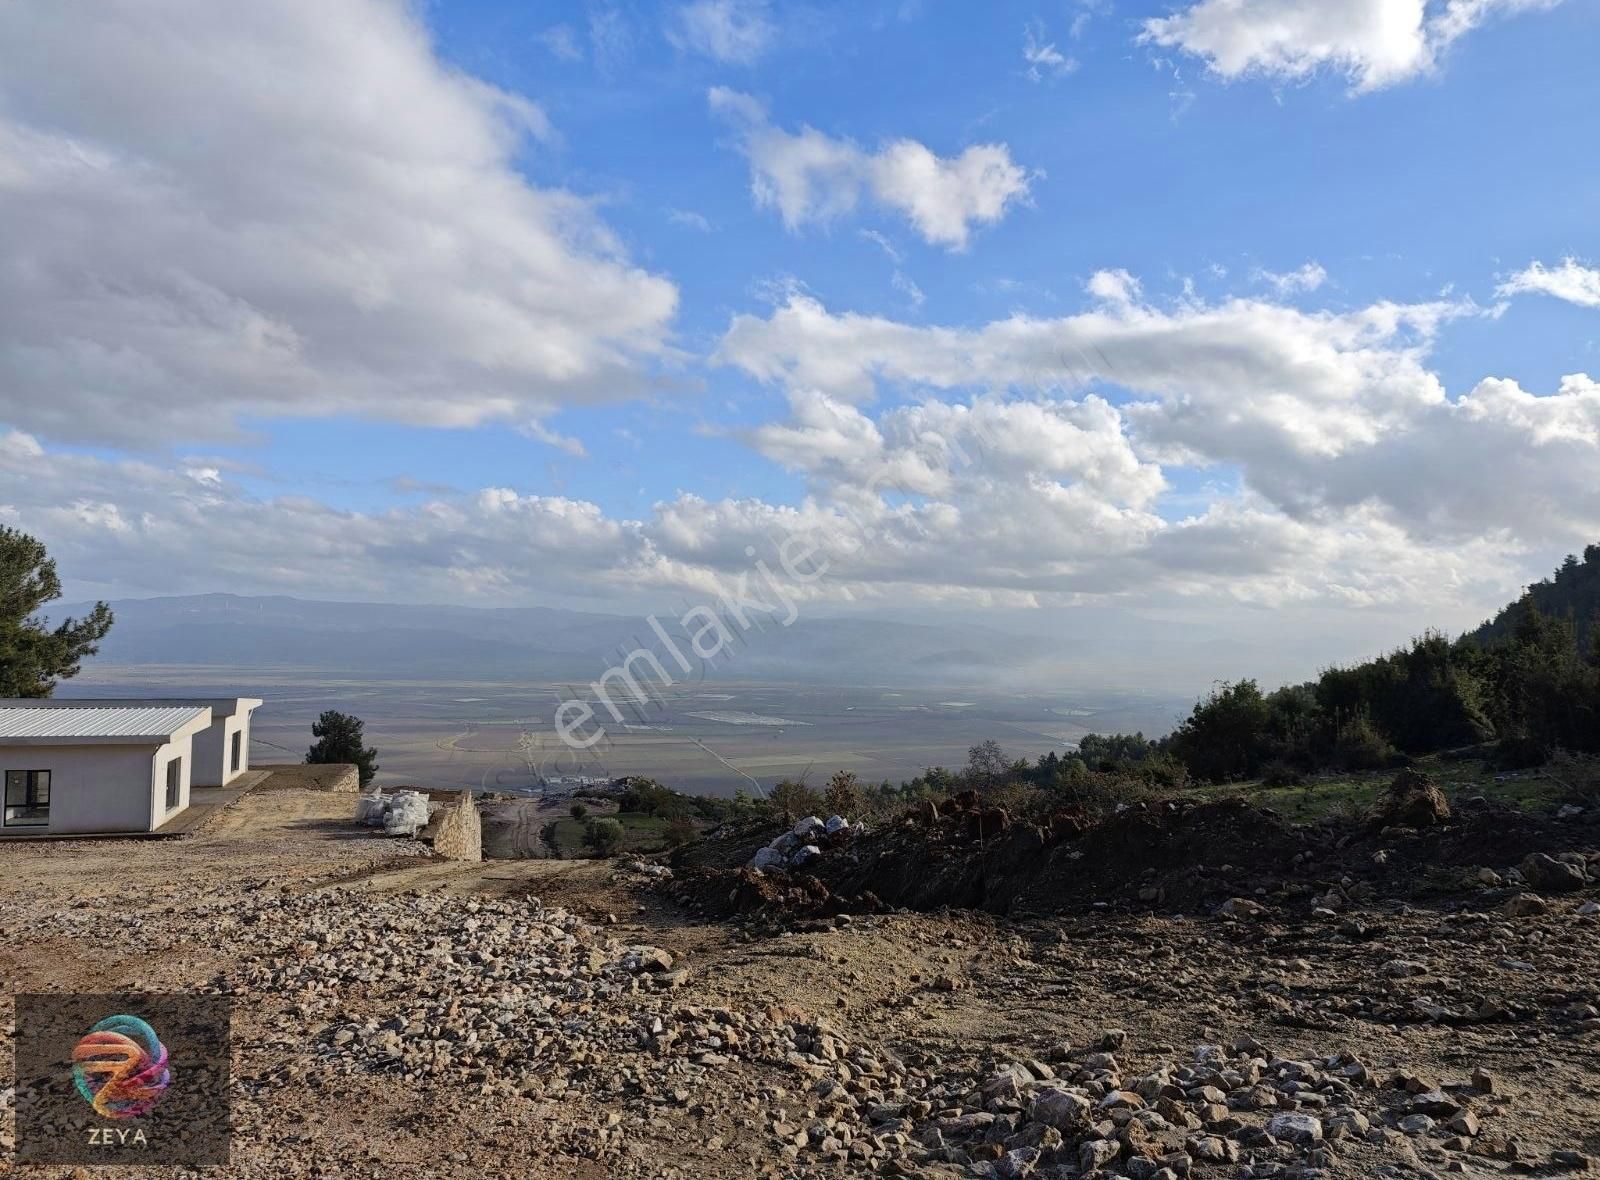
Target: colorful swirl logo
120	1067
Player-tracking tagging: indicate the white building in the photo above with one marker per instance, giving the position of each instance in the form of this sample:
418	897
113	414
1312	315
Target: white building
92	766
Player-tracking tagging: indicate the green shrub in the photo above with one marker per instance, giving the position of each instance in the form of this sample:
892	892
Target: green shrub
1279	773
1360	746
680	831
794	800
604	836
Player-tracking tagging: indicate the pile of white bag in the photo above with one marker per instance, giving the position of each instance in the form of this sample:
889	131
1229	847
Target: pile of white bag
803	843
404	813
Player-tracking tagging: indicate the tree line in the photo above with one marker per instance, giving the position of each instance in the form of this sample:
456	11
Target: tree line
1527	680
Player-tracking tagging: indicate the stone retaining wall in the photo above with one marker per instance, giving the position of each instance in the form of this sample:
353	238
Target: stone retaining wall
457	829
301	776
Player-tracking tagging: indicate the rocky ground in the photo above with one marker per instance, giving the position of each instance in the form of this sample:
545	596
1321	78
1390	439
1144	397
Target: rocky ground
401	1015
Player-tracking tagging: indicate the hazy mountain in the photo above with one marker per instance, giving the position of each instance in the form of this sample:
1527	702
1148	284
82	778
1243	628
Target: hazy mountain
540	643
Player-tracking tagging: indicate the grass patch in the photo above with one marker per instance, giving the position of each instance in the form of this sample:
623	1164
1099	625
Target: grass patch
640	833
1321	796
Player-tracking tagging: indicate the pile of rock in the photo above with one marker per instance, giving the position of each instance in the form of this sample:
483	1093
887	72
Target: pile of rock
1241	1110
805	843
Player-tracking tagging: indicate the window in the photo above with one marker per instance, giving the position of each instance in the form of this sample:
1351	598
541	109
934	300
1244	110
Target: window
238	749
174	782
27	798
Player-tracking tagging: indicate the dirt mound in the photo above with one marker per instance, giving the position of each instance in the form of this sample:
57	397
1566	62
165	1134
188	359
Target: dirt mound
1174	856
1413	801
961	854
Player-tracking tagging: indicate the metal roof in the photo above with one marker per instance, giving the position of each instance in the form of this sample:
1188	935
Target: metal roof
220	706
68	723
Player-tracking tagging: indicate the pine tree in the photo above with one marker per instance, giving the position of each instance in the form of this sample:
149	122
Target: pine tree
34	657
339	738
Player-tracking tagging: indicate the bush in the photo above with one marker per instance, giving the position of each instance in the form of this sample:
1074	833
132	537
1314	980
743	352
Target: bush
680	831
578	811
651	798
1279	773
843	796
1520	753
1227	734
1099	794
794	800
1578	776
604	836
1360	746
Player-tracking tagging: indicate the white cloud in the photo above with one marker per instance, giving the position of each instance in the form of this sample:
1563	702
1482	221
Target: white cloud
1338	432
1043	58
562	442
283	210
734	32
809	176
907	286
1375	43
689	218
1034	496
563	42
1232	380
1306	278
1570	281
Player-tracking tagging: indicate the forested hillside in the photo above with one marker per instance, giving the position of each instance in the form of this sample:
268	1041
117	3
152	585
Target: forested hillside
1573	593
1528	680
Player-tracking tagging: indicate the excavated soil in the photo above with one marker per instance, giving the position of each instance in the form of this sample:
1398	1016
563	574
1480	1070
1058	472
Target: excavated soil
1174	857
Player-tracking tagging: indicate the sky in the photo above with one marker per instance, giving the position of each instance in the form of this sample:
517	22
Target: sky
1273	318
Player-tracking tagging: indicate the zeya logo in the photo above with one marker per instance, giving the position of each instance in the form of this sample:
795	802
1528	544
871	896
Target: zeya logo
120	1067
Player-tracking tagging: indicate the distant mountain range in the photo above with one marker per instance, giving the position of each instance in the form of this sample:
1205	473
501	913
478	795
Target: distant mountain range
540	643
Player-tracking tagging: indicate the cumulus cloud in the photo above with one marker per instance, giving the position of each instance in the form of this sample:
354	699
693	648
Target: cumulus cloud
1239	376
734	32
809	176
1328	420
1375	43
287	209
1570	281
1013	497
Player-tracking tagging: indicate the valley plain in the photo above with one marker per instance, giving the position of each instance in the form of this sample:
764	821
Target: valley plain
713	737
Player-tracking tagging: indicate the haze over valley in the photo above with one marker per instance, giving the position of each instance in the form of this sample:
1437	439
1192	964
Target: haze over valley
455	696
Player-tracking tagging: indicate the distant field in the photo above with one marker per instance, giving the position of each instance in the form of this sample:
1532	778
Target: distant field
501	736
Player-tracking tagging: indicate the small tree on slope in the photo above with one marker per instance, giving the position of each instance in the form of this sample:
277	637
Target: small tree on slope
339	738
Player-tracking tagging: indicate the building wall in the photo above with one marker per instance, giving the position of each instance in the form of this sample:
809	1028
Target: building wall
213	750
94	788
182	748
210	750
242	724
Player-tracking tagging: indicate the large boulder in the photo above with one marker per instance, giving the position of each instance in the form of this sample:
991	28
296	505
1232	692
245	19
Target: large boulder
767	858
1549	875
1065	1110
809	830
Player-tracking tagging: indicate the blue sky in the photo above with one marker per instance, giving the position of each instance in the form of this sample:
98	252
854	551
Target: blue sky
1443	182
501	302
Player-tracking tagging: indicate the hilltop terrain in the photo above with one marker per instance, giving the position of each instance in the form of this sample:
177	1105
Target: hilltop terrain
1214	993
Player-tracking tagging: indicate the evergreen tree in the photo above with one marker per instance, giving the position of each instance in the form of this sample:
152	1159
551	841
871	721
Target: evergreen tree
339	737
34	656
